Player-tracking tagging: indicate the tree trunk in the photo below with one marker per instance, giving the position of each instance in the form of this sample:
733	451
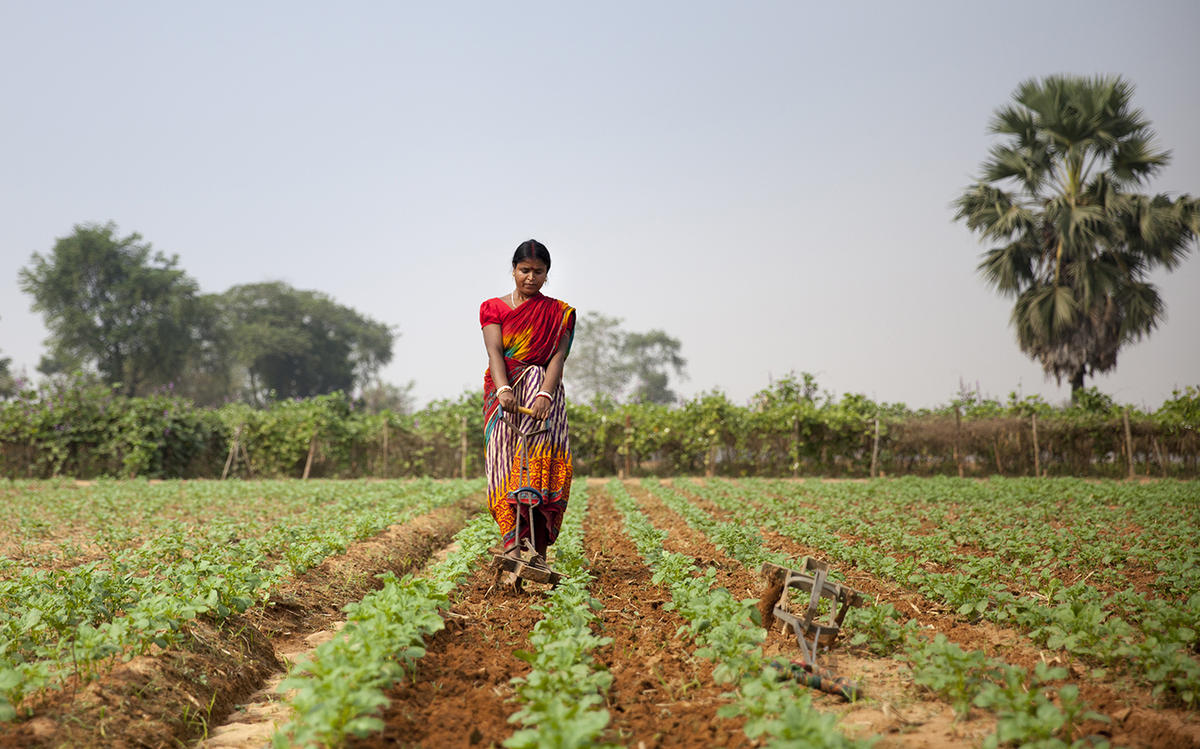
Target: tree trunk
1076	385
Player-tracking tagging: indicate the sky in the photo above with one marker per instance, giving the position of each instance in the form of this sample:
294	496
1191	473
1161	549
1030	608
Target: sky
768	182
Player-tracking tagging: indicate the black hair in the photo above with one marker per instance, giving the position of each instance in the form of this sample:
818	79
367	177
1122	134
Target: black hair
531	249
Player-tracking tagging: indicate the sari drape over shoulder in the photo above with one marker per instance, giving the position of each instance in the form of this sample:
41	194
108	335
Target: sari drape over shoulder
531	334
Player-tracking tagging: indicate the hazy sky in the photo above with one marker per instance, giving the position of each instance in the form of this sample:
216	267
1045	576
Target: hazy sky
768	182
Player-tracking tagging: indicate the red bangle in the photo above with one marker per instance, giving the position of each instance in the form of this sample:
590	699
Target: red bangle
544	393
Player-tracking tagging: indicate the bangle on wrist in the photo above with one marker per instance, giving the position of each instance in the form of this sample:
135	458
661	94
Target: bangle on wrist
544	393
503	388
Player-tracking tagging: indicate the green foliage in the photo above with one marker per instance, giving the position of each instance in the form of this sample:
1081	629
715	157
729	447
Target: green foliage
71	426
1181	412
340	688
112	304
1075	245
909	526
562	696
8	384
950	671
73	620
87	430
729	633
878	628
296	344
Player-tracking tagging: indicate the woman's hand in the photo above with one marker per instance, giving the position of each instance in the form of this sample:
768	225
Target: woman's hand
508	401
540	408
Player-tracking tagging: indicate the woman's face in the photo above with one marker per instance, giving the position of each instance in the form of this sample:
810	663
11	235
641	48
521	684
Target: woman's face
530	275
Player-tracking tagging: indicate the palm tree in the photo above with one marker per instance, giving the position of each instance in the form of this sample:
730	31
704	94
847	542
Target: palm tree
1075	242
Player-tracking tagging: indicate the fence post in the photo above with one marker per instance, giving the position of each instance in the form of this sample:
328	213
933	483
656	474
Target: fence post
795	447
231	460
385	448
957	440
312	449
1158	452
463	436
1128	440
875	449
629	445
1037	458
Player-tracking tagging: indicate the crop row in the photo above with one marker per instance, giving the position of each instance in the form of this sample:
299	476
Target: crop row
1024	704
728	633
1043	531
74	621
339	689
1072	618
562	696
55	523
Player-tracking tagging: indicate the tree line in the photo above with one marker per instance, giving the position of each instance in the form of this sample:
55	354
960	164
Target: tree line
119	309
133	319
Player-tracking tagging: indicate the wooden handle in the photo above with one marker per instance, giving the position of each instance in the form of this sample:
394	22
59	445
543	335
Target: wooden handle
526	411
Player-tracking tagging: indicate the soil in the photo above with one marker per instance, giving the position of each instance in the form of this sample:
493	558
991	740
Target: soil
1137	717
903	713
222	683
661	696
173	696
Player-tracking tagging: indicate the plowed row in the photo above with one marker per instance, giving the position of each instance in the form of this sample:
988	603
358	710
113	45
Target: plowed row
460	694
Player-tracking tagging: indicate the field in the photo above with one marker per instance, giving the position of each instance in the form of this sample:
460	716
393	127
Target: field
1001	611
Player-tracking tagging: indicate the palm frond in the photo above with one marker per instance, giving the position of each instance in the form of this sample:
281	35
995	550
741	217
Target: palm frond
1009	268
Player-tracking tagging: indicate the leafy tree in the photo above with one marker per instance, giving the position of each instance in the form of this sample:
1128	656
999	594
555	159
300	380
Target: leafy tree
7	384
608	362
295	344
651	356
114	304
1076	243
208	375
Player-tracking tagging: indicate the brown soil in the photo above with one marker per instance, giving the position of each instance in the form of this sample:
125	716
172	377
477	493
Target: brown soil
172	696
461	694
661	694
901	712
1136	717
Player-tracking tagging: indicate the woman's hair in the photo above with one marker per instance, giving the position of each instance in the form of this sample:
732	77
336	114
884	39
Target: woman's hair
531	249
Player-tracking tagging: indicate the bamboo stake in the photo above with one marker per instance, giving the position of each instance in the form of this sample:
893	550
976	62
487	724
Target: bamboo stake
628	447
312	449
1037	460
1128	440
385	449
1161	462
957	439
875	449
795	447
231	459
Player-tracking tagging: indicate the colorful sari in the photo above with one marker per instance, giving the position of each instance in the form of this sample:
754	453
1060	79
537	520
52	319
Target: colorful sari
531	334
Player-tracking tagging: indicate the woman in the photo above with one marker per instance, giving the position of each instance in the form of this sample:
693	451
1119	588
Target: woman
527	337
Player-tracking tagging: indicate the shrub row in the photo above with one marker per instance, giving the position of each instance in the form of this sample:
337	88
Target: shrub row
87	431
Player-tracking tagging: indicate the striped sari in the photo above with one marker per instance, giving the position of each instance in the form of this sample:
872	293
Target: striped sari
531	334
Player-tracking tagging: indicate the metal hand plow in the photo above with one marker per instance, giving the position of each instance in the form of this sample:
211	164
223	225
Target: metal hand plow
525	562
811	629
